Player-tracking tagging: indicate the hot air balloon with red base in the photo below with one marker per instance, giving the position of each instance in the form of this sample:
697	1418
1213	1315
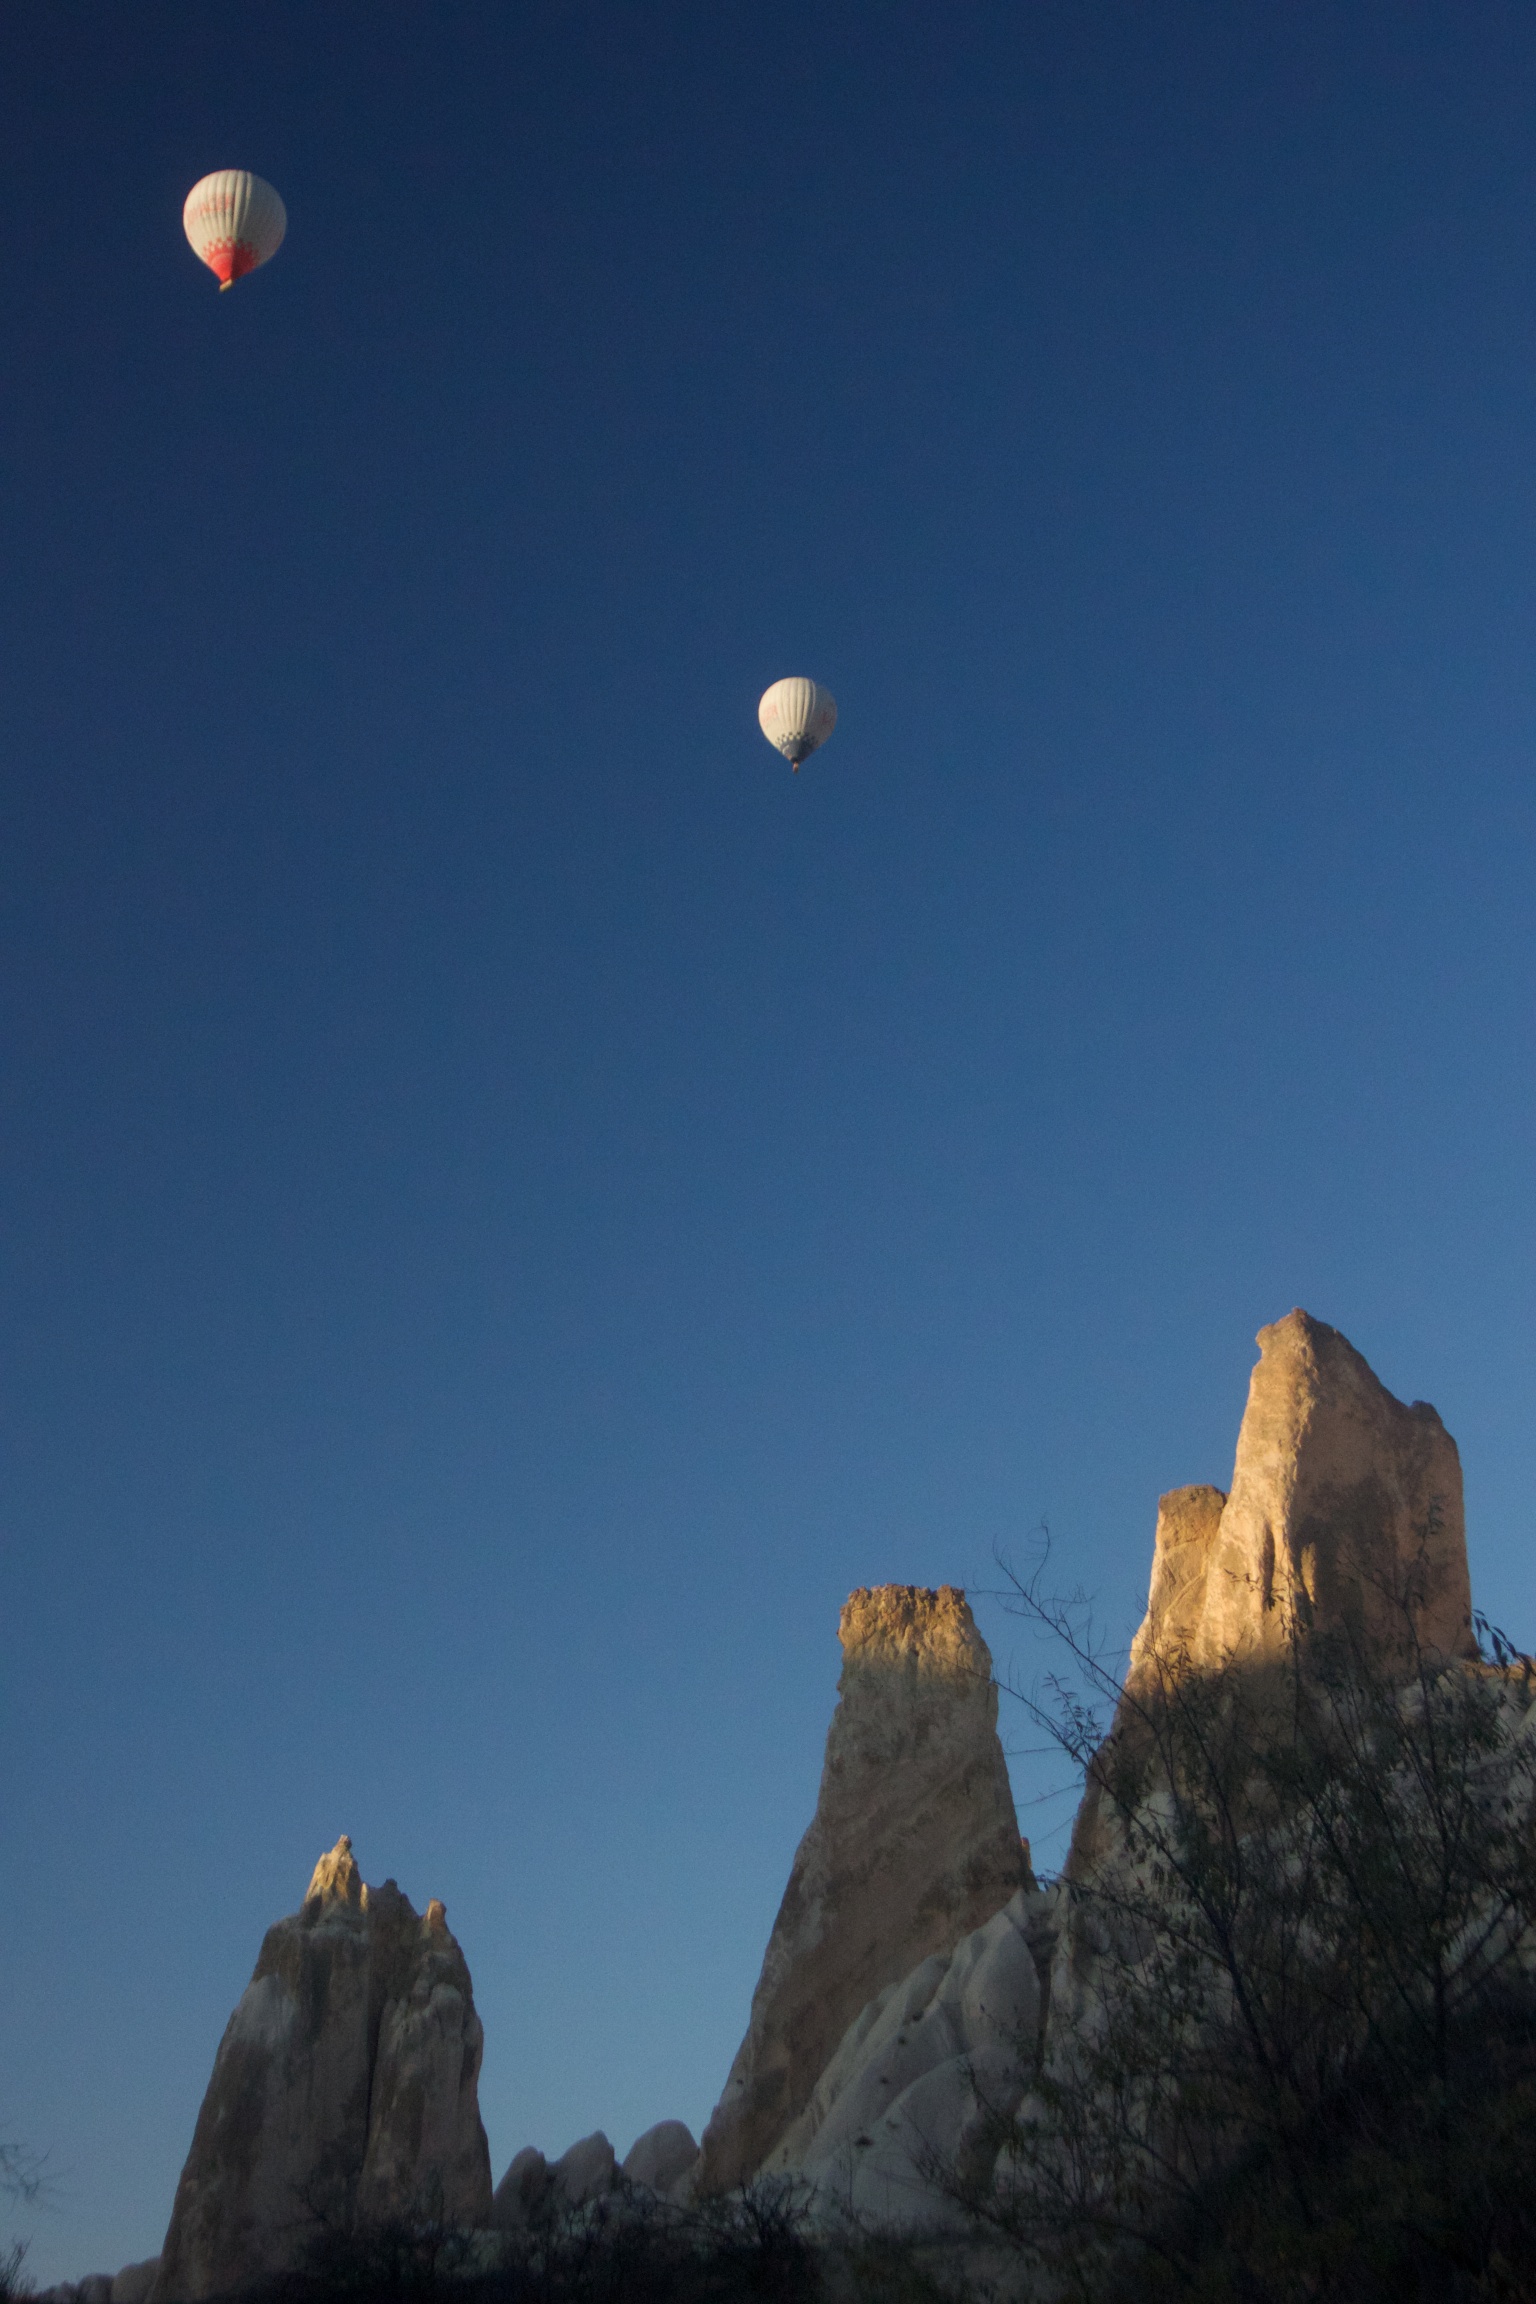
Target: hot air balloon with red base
797	717
234	221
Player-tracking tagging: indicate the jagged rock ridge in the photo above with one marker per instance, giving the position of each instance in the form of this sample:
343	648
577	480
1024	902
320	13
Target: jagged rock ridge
1345	1505
344	2091
658	2163
905	1964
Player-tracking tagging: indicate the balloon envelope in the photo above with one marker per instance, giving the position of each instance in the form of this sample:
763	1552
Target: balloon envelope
234	221
797	716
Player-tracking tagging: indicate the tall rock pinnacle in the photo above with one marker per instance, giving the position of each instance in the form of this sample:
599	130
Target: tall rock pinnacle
344	2092
914	1843
1345	1505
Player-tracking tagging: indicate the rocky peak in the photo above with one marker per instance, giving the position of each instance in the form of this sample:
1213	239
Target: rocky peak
914	1844
344	2092
335	1880
932	1633
1345	1505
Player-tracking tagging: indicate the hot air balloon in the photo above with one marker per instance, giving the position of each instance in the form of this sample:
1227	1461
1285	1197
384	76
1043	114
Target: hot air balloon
797	717
234	221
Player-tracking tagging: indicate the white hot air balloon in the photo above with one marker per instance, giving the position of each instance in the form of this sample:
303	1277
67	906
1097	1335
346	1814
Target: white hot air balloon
234	221
797	717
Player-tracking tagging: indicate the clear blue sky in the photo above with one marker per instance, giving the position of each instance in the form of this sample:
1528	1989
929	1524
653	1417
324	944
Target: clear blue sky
510	1203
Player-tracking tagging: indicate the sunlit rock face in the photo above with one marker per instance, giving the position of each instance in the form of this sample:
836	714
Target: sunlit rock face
1188	1528
1344	1505
344	2092
914	1845
1345	1511
1344	1522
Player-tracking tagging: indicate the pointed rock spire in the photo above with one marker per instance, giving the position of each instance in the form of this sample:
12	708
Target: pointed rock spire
344	2092
335	1880
1345	1516
915	1842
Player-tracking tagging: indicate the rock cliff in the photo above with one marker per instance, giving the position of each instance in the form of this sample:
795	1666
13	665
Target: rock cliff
344	2092
914	1845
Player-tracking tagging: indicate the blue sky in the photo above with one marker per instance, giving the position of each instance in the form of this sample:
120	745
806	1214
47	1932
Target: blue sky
510	1203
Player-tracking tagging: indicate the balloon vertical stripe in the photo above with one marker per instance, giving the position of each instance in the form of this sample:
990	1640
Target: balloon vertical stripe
797	717
234	221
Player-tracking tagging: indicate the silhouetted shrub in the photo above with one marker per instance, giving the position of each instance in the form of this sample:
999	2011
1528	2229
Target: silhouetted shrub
13	2280
754	2246
625	2248
1301	2062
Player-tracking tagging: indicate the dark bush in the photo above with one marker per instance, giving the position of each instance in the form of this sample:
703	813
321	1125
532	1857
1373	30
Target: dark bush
1302	2059
624	2249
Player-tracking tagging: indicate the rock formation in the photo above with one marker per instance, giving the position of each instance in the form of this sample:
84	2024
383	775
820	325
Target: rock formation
1344	1504
1188	1529
914	1845
344	2092
1344	1518
522	2190
131	2285
586	2172
913	1965
659	2160
904	2093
